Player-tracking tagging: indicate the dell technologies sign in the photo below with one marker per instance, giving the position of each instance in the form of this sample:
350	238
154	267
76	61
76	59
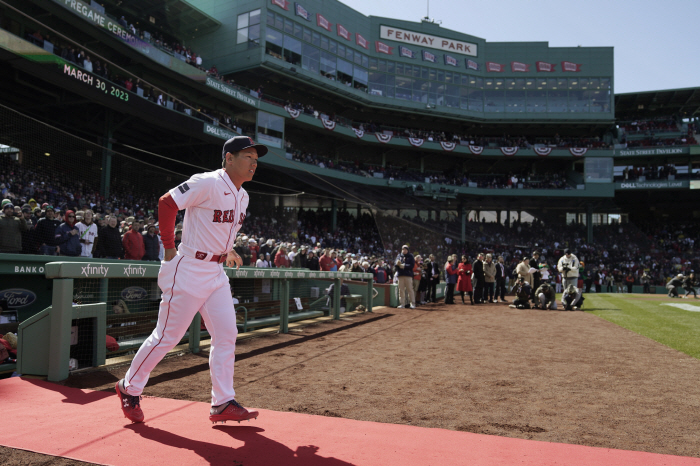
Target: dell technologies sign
17	297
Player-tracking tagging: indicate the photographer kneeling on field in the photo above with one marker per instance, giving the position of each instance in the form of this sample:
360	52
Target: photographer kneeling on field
522	290
572	299
545	297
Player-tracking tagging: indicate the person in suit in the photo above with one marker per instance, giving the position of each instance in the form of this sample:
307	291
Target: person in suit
433	271
500	294
479	278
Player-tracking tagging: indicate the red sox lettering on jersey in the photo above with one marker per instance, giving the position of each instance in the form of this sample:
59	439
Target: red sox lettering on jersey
227	216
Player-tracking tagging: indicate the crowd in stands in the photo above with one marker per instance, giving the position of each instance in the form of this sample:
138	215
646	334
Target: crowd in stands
129	230
647	126
523	179
661	172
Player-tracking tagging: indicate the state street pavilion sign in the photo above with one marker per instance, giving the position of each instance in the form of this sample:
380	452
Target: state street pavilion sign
426	40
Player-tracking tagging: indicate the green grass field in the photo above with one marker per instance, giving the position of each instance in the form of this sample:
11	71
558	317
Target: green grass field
645	315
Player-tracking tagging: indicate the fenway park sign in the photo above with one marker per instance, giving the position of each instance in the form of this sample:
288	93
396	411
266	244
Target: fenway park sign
426	40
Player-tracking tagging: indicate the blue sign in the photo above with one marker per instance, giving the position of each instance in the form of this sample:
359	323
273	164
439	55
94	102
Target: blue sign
17	297
134	293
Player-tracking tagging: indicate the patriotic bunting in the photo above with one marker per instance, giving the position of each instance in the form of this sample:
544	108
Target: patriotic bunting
472	65
361	41
476	150
323	22
406	52
509	151
493	67
543	151
381	47
359	132
301	11
383	138
427	56
284	4
292	112
578	151
448	146
520	67
568	66
344	33
452	61
544	66
416	142
328	124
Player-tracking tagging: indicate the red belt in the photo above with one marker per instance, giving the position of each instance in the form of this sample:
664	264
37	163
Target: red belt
217	258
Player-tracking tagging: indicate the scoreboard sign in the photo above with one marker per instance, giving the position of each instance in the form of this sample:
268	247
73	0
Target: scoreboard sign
426	40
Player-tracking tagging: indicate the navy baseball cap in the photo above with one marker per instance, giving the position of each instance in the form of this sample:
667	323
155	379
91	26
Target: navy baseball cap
239	143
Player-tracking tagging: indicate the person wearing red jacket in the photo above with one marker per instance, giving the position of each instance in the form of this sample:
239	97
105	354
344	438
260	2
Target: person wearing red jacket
281	258
134	247
464	279
327	263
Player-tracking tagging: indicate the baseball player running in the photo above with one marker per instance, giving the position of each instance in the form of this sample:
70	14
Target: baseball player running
192	278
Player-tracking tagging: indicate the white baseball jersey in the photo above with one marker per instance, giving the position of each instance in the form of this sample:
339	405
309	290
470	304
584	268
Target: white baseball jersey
88	233
215	211
192	283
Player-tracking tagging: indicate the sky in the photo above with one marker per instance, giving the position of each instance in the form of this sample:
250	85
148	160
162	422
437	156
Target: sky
655	42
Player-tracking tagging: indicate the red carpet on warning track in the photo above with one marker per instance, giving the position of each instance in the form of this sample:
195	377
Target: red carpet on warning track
89	426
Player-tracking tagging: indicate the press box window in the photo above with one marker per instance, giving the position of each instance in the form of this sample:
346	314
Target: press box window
249	28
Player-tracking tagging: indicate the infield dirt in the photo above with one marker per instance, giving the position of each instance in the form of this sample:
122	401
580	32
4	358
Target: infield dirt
567	377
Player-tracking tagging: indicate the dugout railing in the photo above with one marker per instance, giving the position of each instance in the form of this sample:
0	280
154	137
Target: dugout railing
91	301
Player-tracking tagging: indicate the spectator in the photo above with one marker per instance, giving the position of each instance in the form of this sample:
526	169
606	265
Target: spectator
404	264
500	294
29	245
68	236
151	244
11	229
301	259
134	248
629	281
46	232
178	237
327	263
451	272
489	278
479	278
263	262
433	270
243	250
88	233
380	272
464	280
281	258
109	241
312	261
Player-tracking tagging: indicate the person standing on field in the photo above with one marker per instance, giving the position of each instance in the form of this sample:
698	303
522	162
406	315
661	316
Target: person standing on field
192	278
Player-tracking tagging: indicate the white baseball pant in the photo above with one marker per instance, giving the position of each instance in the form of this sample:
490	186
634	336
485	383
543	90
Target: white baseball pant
190	285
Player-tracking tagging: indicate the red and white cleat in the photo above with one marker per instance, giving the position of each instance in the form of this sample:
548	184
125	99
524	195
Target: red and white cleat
131	405
231	411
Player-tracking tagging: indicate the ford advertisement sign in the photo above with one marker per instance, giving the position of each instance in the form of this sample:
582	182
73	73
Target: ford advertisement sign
17	297
134	293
